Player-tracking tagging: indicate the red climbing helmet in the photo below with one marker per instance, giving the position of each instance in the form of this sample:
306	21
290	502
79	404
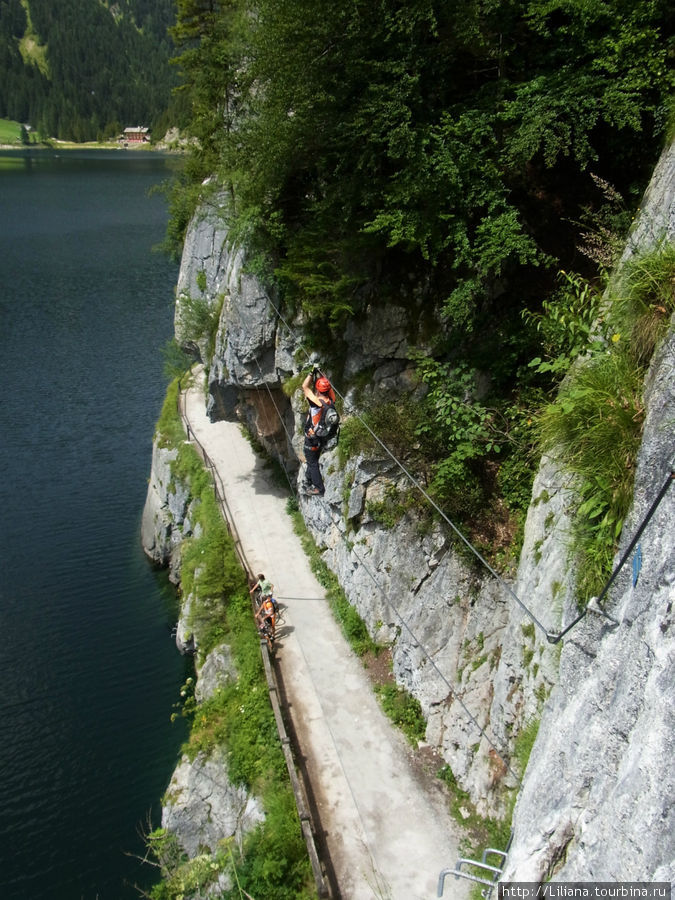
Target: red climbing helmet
322	385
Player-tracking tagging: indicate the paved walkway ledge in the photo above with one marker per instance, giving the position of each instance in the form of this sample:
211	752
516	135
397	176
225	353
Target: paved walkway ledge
386	836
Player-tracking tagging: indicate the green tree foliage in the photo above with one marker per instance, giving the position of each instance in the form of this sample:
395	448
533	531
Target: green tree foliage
567	324
209	60
389	142
463	432
78	68
205	35
596	417
451	156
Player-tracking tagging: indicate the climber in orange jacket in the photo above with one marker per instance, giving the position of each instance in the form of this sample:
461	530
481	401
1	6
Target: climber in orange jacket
320	396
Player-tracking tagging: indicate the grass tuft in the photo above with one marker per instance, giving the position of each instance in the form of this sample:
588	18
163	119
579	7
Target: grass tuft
404	710
595	422
646	300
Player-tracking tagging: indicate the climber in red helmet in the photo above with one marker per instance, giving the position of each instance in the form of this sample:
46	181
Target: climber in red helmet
319	393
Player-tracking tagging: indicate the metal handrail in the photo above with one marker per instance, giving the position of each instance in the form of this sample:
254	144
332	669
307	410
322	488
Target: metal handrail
490	883
457	872
502	853
306	823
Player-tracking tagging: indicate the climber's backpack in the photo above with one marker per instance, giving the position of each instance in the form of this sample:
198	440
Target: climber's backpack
327	428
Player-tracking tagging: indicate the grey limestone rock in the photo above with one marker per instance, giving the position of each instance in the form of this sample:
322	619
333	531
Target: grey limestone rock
596	801
186	639
599	774
596	798
166	517
218	670
656	218
202	808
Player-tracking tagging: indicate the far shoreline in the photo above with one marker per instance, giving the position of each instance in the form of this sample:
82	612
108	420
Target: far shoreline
96	145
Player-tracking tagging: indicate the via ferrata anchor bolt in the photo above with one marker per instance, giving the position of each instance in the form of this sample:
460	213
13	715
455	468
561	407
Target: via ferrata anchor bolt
594	607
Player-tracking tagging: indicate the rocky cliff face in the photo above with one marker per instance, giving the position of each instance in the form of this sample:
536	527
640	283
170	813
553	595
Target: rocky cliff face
595	801
201	807
166	522
478	667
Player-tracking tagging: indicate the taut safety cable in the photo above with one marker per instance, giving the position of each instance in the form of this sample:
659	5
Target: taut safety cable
404	624
419	487
382	593
283	425
627	552
425	652
551	636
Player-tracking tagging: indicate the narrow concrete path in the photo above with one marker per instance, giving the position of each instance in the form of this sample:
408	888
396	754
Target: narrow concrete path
387	837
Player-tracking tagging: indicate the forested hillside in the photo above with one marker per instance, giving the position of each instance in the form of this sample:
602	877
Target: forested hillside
85	69
477	164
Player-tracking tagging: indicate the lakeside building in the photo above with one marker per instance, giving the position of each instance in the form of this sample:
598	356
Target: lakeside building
136	134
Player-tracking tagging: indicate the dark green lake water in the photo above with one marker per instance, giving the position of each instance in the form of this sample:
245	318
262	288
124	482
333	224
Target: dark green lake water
89	667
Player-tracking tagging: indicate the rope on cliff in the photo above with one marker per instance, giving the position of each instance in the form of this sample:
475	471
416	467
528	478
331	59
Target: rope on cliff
283	425
424	493
594	602
427	653
551	636
404	624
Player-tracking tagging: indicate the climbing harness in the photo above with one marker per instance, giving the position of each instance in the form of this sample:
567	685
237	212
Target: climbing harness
404	625
551	636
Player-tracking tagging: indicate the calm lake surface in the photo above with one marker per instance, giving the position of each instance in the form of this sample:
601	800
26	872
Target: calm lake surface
90	671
